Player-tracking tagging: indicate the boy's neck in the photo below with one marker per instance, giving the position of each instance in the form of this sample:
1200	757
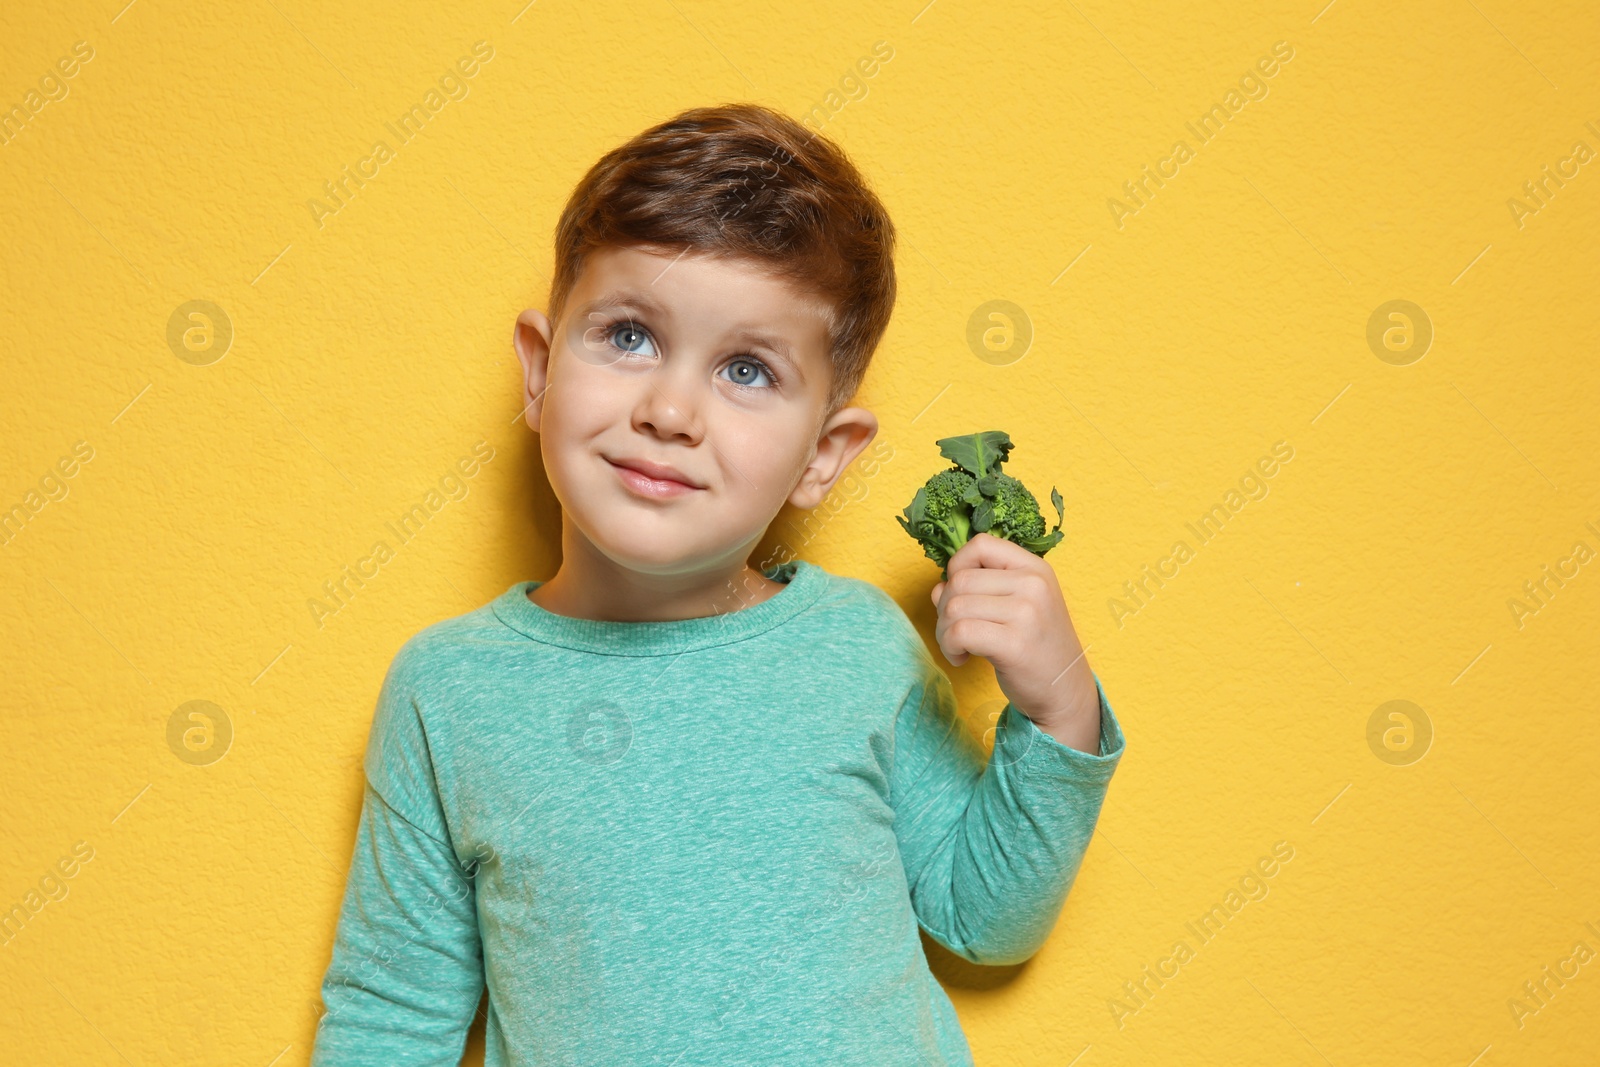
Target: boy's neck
591	585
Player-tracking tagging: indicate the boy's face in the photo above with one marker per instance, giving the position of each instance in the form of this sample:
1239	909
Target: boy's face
707	366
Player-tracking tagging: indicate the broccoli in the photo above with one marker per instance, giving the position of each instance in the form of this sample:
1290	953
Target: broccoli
975	496
944	516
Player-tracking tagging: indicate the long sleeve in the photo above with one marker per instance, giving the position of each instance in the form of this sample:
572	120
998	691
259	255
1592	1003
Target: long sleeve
990	852
407	971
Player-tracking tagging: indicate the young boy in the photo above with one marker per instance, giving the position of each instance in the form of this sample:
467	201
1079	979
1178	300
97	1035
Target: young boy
672	809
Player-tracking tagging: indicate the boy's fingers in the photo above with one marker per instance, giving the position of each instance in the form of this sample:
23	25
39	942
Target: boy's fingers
987	550
977	637
992	565
992	607
993	580
981	629
948	645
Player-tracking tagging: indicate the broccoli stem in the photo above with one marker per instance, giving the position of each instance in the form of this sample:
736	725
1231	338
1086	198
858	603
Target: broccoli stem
955	533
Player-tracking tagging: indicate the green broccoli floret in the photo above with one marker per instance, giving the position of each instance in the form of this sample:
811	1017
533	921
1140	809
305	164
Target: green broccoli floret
939	516
1014	510
974	496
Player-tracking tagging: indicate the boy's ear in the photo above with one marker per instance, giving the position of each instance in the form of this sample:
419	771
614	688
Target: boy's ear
531	338
840	441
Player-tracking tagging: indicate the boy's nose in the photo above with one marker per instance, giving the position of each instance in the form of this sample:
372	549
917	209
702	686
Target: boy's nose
667	409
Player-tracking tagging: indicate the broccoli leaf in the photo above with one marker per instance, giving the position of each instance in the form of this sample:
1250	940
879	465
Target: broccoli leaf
918	508
979	453
1045	542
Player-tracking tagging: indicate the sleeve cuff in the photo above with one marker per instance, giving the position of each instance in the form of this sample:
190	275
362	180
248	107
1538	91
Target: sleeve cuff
1020	744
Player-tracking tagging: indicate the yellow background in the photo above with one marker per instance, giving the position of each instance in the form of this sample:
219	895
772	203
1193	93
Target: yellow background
1229	313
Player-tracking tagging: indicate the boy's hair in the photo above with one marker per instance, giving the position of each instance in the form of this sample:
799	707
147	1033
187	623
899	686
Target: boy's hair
745	180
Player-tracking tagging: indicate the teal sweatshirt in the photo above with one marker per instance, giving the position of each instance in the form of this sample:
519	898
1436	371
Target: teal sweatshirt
703	841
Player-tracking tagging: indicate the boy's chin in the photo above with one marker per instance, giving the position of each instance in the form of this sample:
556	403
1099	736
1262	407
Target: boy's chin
663	555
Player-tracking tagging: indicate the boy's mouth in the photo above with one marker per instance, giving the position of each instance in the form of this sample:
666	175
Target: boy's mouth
652	479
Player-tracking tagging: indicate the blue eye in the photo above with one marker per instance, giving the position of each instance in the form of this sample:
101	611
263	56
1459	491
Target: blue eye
630	338
747	368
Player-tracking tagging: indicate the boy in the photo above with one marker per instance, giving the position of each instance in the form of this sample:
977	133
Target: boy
670	825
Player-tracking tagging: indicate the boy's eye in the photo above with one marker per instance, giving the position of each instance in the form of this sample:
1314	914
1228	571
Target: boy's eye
630	338
745	371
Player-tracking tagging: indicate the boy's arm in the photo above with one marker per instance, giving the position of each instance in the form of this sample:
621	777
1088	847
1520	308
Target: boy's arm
991	852
407	969
407	972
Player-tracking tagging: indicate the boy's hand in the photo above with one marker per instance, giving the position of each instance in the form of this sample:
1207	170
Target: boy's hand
1003	603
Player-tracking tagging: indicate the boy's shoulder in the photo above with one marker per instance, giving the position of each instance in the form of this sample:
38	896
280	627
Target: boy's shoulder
858	594
438	645
865	609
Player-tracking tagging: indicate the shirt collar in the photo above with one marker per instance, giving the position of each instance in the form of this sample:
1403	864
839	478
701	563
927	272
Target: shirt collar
804	584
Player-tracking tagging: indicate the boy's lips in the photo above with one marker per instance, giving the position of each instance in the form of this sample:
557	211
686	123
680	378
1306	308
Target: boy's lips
653	478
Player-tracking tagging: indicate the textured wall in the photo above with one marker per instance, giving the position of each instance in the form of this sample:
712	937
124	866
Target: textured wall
187	484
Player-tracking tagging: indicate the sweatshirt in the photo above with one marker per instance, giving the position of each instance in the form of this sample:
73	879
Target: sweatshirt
704	841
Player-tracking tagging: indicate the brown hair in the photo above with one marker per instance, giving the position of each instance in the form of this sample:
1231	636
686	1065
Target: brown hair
745	180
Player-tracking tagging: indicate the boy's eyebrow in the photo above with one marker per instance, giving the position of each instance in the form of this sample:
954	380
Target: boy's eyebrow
635	300
628	299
